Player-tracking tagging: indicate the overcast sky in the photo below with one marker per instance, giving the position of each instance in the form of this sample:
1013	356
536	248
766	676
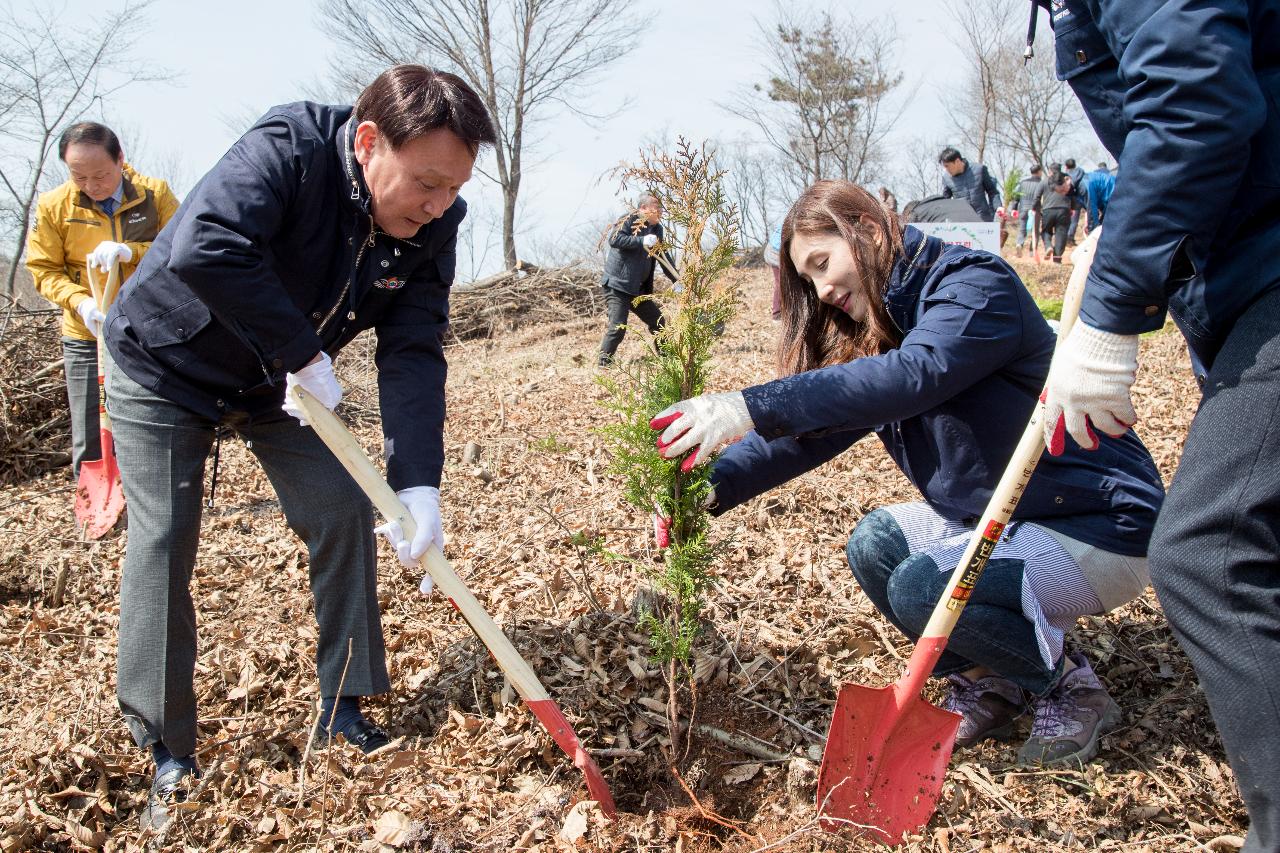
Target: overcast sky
236	58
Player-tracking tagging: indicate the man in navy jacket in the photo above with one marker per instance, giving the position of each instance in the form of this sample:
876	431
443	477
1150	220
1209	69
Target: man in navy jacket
319	223
1186	95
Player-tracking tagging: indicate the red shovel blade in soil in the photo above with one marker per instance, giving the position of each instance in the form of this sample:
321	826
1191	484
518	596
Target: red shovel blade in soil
552	718
886	757
99	493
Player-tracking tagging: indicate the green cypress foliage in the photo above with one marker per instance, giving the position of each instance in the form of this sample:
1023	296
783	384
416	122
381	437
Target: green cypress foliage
701	229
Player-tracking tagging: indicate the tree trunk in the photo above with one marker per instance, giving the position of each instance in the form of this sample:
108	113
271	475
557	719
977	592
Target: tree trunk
10	286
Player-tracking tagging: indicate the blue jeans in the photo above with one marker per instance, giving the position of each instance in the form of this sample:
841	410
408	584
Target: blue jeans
905	587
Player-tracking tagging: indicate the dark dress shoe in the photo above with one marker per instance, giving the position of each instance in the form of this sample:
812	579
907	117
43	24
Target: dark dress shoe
166	788
362	734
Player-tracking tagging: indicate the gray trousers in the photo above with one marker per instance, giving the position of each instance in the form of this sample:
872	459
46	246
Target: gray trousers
80	364
1215	558
162	448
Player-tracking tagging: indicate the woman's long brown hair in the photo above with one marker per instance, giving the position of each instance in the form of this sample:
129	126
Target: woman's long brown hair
815	334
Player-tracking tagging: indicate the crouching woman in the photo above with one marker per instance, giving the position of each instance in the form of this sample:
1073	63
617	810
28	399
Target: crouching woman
941	352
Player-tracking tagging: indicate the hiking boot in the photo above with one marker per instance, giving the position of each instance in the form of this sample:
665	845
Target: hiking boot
989	706
166	788
1070	719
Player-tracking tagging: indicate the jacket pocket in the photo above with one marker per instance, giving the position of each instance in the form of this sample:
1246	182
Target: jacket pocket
177	325
1049	497
1078	46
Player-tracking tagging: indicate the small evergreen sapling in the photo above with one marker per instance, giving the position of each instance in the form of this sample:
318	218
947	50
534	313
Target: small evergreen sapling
701	225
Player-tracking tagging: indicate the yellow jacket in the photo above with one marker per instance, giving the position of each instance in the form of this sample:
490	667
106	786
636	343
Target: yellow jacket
69	226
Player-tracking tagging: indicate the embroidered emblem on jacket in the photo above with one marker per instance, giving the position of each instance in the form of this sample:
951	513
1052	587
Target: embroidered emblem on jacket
390	283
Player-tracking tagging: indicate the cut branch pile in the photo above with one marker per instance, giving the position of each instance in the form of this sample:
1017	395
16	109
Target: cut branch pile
34	425
522	297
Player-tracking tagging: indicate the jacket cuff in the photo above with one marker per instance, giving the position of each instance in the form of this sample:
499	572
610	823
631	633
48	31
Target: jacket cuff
763	417
1109	310
293	354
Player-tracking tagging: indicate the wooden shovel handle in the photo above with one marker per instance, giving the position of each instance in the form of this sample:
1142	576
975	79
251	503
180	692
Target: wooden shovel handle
1004	500
352	456
102	296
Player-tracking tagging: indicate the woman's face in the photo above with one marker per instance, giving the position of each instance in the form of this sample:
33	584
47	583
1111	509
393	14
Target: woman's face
826	261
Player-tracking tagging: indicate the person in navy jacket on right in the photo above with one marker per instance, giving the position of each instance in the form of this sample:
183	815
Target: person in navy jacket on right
1186	96
941	352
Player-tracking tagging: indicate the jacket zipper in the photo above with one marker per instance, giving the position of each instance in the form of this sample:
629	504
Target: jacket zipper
365	244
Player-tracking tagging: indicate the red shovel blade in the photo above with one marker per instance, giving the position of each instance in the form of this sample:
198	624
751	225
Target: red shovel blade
550	715
99	493
887	754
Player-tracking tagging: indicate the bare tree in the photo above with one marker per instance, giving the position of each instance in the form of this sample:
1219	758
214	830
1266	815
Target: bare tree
52	74
825	108
1036	109
521	57
919	176
751	183
986	27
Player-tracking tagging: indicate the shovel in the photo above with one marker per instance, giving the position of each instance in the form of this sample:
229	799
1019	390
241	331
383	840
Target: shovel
99	494
888	749
344	446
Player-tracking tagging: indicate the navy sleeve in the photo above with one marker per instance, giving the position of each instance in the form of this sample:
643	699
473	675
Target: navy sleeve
412	372
218	246
753	466
969	329
1191	103
625	237
989	184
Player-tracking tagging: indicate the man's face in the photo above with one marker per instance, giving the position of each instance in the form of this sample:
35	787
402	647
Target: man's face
416	183
93	170
651	213
1063	188
954	167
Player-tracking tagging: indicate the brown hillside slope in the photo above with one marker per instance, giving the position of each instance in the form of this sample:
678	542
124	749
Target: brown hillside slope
787	625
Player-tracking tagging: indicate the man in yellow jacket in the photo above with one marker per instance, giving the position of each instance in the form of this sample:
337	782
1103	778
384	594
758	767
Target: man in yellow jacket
108	213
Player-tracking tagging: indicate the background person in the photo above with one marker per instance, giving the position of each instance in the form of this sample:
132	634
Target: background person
892	332
105	210
1025	197
1078	199
1098	186
628	273
1053	206
319	223
974	184
1186	96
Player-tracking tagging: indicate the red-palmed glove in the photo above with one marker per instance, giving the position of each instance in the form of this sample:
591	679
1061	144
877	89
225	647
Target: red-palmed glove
662	522
701	424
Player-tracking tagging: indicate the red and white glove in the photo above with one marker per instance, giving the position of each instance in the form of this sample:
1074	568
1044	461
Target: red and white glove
107	253
1089	387
91	315
662	523
705	422
423	503
1090	377
317	379
1000	212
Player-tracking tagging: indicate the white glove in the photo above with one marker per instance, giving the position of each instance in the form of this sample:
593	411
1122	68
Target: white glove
108	253
649	240
1089	381
423	503
91	315
704	422
318	380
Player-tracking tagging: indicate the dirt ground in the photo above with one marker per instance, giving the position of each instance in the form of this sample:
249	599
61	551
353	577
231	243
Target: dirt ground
786	626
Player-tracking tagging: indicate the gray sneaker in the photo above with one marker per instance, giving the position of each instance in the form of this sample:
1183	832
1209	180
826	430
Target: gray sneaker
989	706
1070	719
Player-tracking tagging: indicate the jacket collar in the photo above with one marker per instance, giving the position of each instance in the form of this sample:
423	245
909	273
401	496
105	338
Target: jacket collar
355	190
909	274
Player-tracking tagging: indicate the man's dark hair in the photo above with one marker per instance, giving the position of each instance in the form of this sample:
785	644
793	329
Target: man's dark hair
1036	168
1055	168
1060	178
89	133
408	101
949	155
1070	163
